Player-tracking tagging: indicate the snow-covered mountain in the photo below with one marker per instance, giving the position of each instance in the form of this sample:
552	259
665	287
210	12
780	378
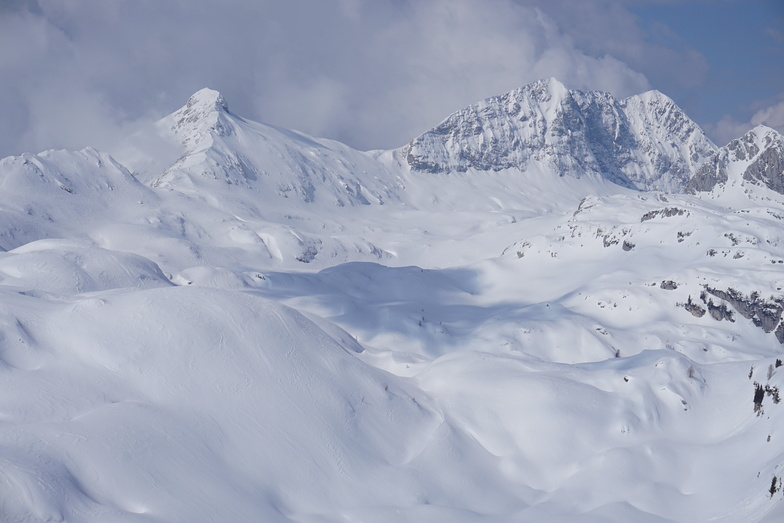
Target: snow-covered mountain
644	142
554	306
204	140
755	158
58	194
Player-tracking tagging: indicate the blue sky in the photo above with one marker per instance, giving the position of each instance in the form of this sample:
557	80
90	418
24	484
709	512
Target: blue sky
743	44
372	73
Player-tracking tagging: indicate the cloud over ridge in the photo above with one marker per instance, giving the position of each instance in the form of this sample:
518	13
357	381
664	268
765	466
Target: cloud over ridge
370	74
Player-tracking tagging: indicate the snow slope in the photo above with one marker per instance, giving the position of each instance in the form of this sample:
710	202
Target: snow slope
235	322
207	143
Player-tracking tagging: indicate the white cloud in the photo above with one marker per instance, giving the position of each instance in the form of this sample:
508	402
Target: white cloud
607	28
371	73
727	129
770	113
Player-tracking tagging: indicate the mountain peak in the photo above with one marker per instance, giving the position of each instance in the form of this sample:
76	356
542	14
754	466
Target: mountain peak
204	116
763	130
757	157
644	142
545	91
209	99
551	85
653	96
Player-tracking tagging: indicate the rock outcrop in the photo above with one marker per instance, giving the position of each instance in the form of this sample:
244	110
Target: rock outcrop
757	157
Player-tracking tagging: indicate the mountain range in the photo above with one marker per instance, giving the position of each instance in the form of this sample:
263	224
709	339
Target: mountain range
552	306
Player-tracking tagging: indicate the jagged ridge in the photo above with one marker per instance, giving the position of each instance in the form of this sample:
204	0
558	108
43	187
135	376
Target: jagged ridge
644	142
756	157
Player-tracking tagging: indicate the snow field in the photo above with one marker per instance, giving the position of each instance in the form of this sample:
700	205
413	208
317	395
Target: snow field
257	325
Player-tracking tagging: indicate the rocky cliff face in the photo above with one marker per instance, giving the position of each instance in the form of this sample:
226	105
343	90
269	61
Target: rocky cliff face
766	167
757	157
644	142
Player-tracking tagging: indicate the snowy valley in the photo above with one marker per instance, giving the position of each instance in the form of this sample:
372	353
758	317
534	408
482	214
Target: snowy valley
552	306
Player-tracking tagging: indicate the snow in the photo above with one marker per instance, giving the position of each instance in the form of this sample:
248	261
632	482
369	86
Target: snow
643	142
236	322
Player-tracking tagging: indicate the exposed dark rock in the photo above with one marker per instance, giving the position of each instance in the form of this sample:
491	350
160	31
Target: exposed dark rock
764	314
768	168
694	308
308	255
712	173
669	285
627	246
734	239
744	148
664	213
719	312
774	393
759	396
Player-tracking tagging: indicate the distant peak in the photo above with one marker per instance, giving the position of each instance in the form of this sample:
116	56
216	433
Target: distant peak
204	116
553	84
208	98
651	96
762	130
762	134
547	87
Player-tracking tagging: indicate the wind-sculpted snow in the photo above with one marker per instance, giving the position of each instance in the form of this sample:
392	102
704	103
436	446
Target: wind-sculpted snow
58	194
199	330
644	142
193	404
64	268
